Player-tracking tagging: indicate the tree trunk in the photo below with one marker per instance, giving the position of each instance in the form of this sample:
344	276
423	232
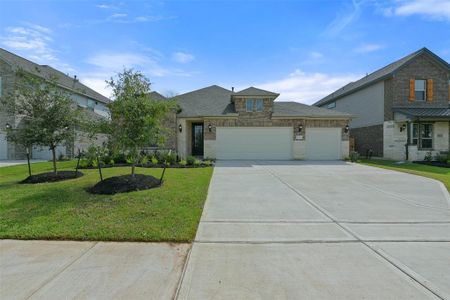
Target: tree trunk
132	169
54	159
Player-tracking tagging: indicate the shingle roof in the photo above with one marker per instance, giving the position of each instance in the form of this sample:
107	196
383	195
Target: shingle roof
252	91
441	113
377	76
47	72
156	96
210	101
295	109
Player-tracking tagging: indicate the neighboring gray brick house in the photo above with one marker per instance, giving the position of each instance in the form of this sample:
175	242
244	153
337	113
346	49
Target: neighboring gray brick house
83	96
401	111
214	122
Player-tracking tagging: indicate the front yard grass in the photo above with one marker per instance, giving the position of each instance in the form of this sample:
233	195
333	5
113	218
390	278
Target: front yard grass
65	211
438	173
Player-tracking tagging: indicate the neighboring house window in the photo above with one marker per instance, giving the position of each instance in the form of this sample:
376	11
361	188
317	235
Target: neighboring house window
249	105
259	105
91	104
426	135
420	89
331	105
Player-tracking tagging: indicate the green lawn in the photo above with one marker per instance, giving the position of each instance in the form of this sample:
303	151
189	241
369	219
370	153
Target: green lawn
64	210
441	174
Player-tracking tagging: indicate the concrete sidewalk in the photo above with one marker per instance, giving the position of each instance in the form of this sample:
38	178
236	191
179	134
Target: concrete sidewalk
7	163
89	270
318	230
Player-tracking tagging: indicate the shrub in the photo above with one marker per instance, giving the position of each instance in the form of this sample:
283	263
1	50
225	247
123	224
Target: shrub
144	160
84	163
428	156
119	158
166	163
94	163
111	162
190	160
207	163
182	163
354	156
197	163
154	161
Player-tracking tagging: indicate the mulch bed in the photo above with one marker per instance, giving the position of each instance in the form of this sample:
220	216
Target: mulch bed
52	177
433	163
125	183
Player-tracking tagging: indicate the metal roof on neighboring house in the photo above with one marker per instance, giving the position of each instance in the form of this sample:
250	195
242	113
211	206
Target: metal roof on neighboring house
377	76
441	113
252	91
47	72
295	109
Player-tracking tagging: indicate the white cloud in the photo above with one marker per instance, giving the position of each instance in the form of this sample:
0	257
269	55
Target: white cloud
118	15
434	9
305	87
315	55
344	19
366	48
106	6
182	57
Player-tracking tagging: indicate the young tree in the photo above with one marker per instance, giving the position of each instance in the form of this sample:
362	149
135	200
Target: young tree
135	118
47	113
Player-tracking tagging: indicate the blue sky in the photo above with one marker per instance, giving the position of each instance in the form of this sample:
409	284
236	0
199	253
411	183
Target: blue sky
301	49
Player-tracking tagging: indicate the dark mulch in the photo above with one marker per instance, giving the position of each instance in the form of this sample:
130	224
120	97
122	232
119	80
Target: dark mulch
125	183
433	163
52	177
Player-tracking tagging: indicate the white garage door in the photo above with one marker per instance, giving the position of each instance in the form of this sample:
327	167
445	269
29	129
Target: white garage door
3	147
254	143
323	143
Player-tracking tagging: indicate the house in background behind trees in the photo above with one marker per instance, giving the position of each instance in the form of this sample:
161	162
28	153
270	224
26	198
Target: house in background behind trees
402	111
92	102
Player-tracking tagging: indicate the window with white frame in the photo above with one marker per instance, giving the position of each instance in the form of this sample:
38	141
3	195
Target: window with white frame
249	105
331	105
420	89
259	105
422	135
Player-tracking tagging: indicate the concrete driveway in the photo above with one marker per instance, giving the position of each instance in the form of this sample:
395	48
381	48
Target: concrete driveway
320	230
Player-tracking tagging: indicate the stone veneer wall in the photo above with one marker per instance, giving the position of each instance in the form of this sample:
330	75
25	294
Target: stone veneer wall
370	137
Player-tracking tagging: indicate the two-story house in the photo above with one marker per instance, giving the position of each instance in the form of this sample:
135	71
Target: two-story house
401	111
215	122
82	96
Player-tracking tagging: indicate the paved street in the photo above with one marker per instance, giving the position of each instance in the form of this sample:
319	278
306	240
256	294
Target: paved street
324	230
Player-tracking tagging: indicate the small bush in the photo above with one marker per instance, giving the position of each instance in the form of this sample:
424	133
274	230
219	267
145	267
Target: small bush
154	161
84	163
120	158
190	160
182	163
166	163
197	163
144	160
354	156
207	163
428	156
112	162
94	163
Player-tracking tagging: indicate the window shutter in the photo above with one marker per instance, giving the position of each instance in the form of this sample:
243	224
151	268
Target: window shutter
429	90
411	89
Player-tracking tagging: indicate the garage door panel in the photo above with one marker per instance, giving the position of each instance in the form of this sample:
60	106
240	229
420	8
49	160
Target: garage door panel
323	143
254	143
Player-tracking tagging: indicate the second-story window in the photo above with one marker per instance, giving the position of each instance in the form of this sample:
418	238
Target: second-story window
249	105
259	105
91	104
420	89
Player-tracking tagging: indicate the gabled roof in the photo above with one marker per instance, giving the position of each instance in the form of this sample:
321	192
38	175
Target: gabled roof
295	109
378	75
46	72
252	91
156	96
210	101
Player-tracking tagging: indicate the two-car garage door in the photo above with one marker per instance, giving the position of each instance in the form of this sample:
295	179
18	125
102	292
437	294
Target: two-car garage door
275	143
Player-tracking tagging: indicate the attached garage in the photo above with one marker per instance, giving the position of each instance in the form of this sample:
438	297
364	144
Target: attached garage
273	143
3	146
323	143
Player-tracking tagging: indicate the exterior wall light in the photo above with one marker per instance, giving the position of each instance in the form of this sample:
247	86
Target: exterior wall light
180	128
8	126
346	129
209	127
402	128
300	128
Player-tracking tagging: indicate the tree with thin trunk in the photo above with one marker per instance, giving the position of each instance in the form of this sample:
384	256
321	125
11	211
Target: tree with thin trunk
136	119
47	114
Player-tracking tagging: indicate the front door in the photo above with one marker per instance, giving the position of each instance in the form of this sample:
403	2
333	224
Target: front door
197	139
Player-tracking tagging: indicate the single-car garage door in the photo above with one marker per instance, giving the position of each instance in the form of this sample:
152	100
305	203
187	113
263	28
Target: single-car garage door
254	143
323	143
